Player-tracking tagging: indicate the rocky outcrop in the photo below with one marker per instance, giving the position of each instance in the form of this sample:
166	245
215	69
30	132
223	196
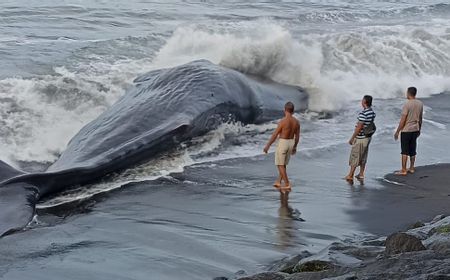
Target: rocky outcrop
422	252
287	265
401	243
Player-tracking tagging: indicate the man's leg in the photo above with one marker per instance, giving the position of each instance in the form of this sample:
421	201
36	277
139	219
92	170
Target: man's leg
404	142
277	183
363	161
351	173
284	177
412	161
362	169
412	152
354	160
404	161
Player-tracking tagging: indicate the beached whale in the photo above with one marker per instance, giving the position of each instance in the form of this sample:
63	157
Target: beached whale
165	107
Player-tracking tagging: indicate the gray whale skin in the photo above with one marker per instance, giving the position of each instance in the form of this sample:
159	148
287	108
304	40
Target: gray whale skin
164	108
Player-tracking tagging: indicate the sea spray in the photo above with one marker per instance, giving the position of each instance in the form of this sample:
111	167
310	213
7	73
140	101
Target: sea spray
335	68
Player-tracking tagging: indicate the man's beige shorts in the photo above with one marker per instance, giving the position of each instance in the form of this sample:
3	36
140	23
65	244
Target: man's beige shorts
284	151
360	150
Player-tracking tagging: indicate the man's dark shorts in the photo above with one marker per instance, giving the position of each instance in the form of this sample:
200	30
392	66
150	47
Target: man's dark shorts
409	143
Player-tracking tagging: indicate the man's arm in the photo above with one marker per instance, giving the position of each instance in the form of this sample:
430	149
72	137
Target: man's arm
273	137
357	130
297	138
401	125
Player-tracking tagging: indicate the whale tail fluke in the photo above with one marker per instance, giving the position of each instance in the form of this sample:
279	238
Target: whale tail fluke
17	200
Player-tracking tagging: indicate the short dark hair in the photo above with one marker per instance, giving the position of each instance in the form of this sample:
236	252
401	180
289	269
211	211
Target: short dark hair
368	99
289	106
412	91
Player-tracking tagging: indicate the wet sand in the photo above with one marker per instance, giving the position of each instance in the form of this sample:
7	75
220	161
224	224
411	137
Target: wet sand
407	199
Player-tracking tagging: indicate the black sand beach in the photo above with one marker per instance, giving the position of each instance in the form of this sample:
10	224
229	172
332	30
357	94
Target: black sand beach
406	199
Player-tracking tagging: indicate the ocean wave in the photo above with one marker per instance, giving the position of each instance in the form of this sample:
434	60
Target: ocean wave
344	13
39	115
335	68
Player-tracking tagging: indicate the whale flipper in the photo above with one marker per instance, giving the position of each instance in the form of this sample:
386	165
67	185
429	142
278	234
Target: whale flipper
17	201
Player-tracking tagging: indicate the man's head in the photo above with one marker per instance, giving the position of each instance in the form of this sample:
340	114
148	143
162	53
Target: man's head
366	101
289	107
411	93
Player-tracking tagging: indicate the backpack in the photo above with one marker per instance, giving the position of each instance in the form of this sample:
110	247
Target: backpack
370	129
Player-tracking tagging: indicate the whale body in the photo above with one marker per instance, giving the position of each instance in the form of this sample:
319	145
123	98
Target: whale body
164	108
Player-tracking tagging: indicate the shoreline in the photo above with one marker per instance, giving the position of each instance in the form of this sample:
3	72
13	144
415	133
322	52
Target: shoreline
421	251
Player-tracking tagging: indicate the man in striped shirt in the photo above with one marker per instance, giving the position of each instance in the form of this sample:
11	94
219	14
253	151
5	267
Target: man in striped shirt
360	141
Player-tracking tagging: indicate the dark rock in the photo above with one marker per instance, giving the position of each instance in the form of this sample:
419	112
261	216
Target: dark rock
312	266
220	278
266	276
336	271
416	225
441	247
401	243
287	265
365	253
438	277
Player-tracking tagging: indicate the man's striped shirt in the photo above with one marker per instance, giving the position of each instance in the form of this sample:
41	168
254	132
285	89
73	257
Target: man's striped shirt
366	116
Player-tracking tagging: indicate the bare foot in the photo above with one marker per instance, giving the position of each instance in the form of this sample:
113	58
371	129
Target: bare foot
286	188
359	177
401	173
348	178
412	170
277	185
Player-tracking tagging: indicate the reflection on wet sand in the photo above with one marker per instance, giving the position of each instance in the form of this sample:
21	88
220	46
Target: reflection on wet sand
360	181
286	228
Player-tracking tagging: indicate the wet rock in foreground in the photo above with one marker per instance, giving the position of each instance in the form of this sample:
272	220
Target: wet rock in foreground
419	253
401	243
288	264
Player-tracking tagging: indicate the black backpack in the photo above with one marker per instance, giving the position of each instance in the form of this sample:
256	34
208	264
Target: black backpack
370	129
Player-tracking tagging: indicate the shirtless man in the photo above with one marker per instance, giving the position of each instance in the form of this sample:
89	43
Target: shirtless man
289	131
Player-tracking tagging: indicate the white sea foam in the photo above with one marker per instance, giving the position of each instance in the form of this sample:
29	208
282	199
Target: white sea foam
335	68
436	124
41	114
